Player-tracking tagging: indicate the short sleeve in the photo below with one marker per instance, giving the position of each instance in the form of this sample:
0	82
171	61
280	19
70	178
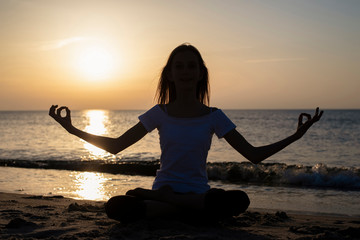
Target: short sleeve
150	119
222	124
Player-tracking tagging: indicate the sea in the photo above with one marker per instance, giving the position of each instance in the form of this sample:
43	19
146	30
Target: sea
319	174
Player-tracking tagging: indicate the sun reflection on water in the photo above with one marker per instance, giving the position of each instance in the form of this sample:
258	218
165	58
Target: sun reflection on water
90	186
97	121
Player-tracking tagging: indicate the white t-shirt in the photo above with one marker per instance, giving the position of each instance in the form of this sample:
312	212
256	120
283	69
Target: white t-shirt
184	144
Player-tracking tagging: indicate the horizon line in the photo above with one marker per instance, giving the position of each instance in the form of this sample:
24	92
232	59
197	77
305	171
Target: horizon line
145	109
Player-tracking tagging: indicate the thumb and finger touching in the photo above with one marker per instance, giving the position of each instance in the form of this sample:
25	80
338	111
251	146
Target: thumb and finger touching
304	126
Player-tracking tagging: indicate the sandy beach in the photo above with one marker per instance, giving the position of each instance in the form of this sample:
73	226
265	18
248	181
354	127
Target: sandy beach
55	217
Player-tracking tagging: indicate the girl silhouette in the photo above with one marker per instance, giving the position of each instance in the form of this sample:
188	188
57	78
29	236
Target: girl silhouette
186	124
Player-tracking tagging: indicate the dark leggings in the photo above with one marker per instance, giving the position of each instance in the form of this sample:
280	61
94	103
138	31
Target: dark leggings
219	204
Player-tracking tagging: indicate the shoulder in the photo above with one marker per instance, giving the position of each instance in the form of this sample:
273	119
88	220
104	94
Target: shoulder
156	108
218	114
213	109
162	107
207	110
151	118
154	111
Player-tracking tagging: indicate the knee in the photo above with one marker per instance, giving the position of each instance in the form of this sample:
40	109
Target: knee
111	207
220	203
125	208
239	200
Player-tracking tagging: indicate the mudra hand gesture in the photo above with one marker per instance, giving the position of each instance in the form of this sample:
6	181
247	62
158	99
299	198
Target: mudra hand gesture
304	126
65	122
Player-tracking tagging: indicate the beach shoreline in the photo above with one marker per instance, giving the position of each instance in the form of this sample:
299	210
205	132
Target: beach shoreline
55	217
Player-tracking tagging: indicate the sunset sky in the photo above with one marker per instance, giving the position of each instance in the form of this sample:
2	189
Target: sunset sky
261	54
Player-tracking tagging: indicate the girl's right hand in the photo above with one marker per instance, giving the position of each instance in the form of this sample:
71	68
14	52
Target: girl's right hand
65	122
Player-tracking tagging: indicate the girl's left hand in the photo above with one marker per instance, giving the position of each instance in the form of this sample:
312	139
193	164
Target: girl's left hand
303	127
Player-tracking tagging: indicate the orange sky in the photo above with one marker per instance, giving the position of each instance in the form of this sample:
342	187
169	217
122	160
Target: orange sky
108	54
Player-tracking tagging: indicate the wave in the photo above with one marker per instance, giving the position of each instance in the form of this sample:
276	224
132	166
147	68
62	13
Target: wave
278	174
272	174
143	168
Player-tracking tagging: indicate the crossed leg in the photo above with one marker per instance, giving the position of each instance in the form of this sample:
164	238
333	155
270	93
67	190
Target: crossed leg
142	203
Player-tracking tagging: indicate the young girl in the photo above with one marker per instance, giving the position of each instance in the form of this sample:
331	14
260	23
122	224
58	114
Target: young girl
186	124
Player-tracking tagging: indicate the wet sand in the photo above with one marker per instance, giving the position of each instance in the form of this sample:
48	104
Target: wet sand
55	217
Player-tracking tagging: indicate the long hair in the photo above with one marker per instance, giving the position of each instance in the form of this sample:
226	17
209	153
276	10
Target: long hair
166	92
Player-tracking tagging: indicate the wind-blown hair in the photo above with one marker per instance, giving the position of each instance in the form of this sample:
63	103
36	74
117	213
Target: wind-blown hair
166	92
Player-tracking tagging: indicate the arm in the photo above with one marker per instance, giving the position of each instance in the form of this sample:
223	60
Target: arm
258	154
112	145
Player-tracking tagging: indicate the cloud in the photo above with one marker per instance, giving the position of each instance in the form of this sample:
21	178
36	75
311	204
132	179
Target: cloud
265	60
59	43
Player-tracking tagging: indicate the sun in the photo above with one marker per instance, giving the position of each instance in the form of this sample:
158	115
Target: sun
95	62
